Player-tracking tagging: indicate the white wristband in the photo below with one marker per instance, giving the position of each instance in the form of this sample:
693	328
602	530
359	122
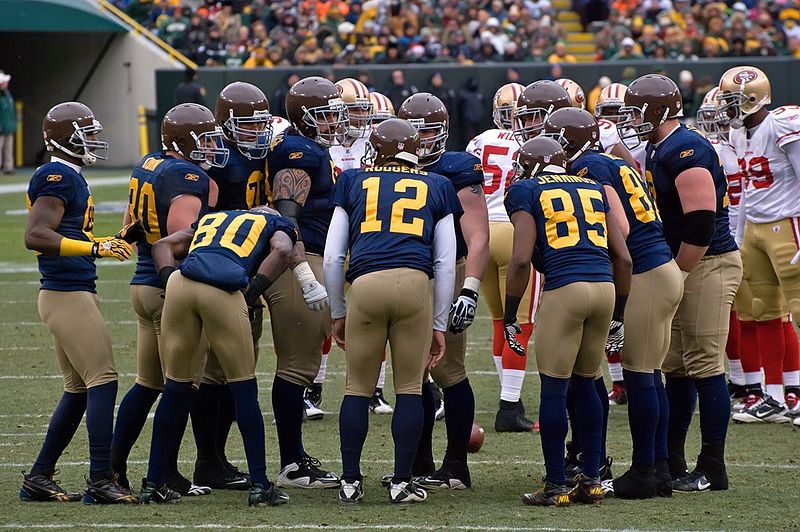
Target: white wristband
472	283
303	273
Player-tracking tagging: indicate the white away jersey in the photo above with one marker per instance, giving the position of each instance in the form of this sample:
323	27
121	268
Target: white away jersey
279	125
348	157
609	136
772	188
496	148
730	165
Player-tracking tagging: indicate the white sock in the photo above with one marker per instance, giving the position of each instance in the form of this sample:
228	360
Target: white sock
382	375
791	378
498	363
775	391
752	377
615	370
737	373
320	378
512	384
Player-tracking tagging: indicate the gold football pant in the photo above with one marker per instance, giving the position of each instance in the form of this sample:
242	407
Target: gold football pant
451	368
767	250
212	372
80	338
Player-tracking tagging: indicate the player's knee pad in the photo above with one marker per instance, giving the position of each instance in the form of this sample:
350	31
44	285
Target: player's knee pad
757	307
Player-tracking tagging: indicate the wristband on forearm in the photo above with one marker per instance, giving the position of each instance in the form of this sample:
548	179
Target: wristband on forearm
164	274
258	285
69	247
303	274
472	287
619	308
512	306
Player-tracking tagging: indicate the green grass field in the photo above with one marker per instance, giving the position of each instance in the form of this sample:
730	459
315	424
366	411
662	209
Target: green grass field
763	460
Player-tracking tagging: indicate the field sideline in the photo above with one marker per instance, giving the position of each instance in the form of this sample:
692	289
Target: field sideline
763	460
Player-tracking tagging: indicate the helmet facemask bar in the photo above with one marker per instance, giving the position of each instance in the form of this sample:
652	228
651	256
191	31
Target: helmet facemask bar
370	156
729	109
81	147
566	144
333	117
360	122
524	133
252	143
503	116
431	147
707	121
611	112
635	125
209	148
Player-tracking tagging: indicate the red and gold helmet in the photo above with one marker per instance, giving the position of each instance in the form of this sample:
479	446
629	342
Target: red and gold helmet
382	108
575	92
707	114
355	96
504	103
743	90
609	101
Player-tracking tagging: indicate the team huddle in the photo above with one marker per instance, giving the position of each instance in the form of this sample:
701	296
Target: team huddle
626	235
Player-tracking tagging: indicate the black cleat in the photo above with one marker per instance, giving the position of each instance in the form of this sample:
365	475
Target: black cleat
511	418
181	484
587	490
314	394
663	479
307	474
272	496
220	476
312	401
548	495
714	470
43	488
378	404
108	491
438	402
352	492
152	494
638	482
695	481
737	391
447	478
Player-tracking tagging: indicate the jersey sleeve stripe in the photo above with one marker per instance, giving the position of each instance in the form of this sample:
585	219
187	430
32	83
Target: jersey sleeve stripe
787	135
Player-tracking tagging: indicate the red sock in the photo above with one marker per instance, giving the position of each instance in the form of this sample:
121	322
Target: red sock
511	360
326	345
499	337
732	347
748	347
791	358
613	357
771	346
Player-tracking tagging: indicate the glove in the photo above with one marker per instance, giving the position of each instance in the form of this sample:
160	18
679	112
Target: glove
113	248
252	312
132	233
511	330
315	295
616	336
462	312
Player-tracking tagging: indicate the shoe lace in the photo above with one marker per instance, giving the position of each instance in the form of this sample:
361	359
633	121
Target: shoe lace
313	464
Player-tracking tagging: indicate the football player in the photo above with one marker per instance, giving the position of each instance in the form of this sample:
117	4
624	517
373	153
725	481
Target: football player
578	302
382	108
496	149
656	290
765	143
428	114
209	293
690	189
607	107
397	223
168	191
301	175
534	103
61	230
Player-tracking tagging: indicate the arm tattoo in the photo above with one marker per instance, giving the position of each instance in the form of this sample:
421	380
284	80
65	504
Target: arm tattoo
476	189
291	184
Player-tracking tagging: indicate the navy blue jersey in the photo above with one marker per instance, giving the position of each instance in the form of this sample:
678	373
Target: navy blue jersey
687	148
66	274
296	151
570	216
462	169
241	182
393	212
155	182
229	246
645	241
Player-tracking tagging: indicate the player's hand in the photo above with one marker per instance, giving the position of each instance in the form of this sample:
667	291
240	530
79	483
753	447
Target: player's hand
462	312
315	295
132	233
337	331
112	248
511	330
616	336
437	350
253	311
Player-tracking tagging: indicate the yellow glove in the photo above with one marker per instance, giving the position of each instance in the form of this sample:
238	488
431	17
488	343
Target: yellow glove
112	248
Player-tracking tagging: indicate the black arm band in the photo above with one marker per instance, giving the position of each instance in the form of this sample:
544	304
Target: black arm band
258	285
164	274
512	306
289	209
619	308
698	227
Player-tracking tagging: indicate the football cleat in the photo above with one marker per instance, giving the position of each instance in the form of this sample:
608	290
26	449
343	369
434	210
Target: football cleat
272	496
511	418
438	402
351	492
746	402
638	482
663	479
587	490
617	396
406	492
695	481
378	404
444	479
43	488
792	405
108	491
737	391
548	495
311	411
219	476
605	469
307	474
714	470
765	410
314	394
151	493
181	484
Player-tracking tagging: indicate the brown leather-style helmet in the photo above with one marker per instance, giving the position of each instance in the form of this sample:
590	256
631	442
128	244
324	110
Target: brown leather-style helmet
538	100
191	130
574	129
67	128
537	155
428	114
392	140
316	110
242	111
649	101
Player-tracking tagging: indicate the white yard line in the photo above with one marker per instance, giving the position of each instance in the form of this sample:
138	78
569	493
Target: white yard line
305	526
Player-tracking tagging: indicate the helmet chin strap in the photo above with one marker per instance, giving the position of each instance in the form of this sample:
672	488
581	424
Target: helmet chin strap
87	158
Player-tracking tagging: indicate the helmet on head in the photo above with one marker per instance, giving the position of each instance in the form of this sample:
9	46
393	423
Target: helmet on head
539	99
707	114
392	140
315	109
242	111
609	102
428	114
743	90
382	108
574	129
539	154
67	128
650	101
575	92
191	130
355	96
504	103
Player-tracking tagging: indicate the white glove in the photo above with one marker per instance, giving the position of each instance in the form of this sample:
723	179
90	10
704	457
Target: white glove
795	259
616	336
314	294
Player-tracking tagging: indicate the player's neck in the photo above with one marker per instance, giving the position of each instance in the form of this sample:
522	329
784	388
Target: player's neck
175	155
755	119
664	130
73	162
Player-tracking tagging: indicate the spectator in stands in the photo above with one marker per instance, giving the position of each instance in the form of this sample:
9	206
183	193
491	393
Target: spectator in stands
627	50
594	94
189	90
398	90
437	88
213	51
560	54
365	78
594	11
471	105
488	54
8	125
686	86
278	104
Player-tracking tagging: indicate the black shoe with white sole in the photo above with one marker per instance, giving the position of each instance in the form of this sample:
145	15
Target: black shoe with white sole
766	410
406	492
695	481
220	476
307	474
378	404
351	492
151	493
272	496
446	479
44	488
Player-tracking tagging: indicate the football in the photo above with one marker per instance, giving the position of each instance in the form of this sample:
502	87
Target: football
475	439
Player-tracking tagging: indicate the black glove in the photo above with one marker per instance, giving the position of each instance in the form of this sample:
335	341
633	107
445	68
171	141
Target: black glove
511	329
164	274
462	312
132	233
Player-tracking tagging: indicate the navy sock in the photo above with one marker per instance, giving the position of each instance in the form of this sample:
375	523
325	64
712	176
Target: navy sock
287	403
175	446
715	408
574	443
406	430
643	415
682	397
590	418
65	421
205	417
660	444
459	408
251	425
100	402
227	414
131	417
553	426
353	427
172	411
602	394
423	461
